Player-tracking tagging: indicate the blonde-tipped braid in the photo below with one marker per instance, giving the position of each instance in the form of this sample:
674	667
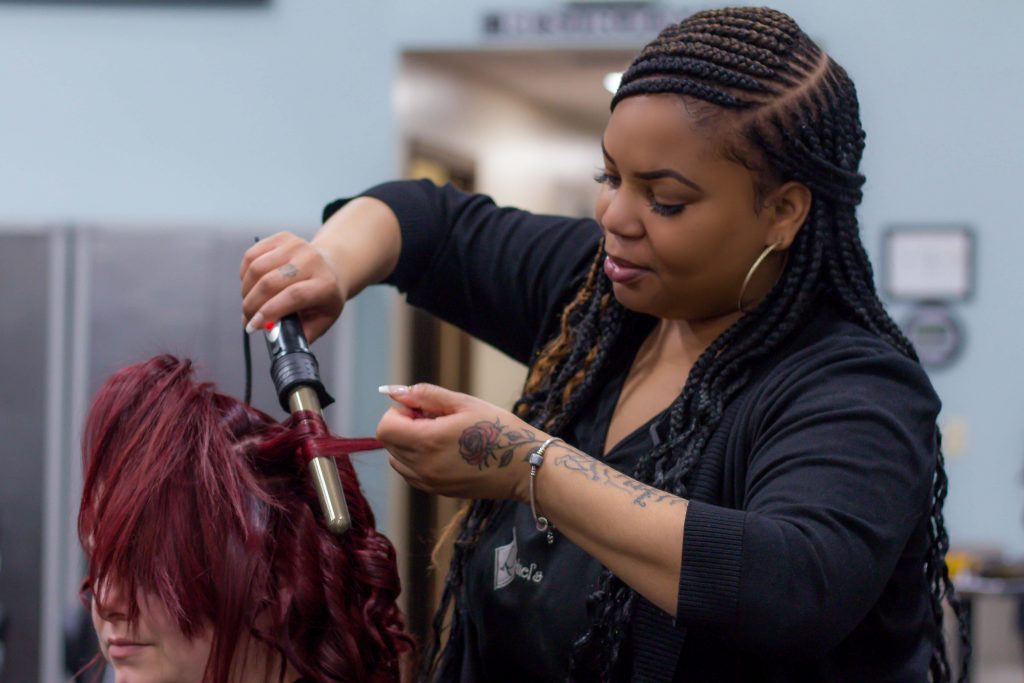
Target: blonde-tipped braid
555	352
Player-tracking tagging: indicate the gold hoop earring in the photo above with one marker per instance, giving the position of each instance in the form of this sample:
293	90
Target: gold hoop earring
750	273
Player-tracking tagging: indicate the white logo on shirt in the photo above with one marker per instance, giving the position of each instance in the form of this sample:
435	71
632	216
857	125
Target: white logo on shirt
507	566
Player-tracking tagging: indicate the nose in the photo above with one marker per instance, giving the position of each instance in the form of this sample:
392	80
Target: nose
109	602
619	214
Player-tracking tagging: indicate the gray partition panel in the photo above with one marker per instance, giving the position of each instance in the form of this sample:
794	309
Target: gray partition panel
24	271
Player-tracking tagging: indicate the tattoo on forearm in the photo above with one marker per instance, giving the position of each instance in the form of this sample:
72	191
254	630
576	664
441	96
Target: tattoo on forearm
594	470
485	443
288	270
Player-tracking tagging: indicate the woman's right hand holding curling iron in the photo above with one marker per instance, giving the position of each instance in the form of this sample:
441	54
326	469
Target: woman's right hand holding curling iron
357	246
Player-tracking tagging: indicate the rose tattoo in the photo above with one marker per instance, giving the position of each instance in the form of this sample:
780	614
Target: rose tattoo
486	442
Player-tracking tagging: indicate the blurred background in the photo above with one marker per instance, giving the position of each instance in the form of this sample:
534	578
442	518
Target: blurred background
143	145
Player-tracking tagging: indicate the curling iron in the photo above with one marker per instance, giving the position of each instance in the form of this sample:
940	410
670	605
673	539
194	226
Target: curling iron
296	376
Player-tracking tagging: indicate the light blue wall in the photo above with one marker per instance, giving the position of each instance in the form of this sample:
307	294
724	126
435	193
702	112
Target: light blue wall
942	99
256	116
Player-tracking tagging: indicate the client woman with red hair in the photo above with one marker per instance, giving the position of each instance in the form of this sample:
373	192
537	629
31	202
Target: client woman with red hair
207	558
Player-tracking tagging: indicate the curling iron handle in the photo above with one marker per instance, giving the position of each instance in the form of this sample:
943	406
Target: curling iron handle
323	470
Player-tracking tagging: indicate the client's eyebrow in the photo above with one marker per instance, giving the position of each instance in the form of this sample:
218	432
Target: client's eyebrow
658	173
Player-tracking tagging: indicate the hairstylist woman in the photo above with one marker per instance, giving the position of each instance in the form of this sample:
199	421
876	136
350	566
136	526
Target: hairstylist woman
746	482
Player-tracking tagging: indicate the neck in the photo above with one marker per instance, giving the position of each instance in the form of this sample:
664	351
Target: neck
683	341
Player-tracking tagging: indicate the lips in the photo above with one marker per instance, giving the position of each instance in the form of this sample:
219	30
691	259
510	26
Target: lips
623	262
121	648
621	271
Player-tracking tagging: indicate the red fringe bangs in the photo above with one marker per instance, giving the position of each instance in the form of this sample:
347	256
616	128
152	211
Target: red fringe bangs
205	503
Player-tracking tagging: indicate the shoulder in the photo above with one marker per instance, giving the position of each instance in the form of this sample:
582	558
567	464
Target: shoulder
831	348
834	363
840	401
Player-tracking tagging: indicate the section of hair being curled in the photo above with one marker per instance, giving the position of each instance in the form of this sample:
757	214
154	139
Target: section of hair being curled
203	503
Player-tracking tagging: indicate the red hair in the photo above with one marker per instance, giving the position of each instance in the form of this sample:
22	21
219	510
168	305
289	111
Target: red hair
205	503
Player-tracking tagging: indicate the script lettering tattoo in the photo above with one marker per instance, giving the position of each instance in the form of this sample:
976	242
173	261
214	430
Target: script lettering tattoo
488	442
577	462
574	461
288	270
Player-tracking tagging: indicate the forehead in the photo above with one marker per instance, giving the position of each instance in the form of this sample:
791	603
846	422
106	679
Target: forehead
663	130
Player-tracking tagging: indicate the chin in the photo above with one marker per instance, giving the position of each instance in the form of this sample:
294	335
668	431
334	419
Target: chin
641	303
669	310
631	301
122	675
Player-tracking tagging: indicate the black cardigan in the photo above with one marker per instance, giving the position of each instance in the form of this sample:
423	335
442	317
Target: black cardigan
805	536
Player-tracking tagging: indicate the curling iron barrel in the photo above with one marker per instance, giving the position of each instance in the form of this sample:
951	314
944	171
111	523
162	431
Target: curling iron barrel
296	376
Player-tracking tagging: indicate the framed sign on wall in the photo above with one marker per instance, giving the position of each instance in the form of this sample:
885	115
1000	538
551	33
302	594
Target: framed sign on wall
928	264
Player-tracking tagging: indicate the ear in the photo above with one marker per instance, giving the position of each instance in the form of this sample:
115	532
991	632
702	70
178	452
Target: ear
789	205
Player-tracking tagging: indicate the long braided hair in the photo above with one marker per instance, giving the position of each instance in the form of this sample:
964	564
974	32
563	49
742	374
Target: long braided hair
797	115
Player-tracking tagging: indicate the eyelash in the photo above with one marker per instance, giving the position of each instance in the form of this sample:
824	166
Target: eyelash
660	209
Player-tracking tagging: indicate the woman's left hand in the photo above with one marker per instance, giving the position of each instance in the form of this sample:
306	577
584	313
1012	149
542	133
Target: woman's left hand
456	445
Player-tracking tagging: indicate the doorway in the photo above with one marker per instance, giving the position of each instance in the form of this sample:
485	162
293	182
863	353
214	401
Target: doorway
524	127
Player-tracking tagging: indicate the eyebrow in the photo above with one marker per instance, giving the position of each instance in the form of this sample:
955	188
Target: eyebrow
657	173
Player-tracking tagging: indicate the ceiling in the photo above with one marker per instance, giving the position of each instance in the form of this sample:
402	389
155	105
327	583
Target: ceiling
566	83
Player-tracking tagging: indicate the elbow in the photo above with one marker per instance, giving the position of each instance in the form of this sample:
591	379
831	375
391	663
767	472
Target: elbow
799	635
808	611
812	587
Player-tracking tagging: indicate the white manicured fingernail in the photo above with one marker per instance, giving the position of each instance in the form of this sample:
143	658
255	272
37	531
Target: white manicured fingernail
393	389
254	324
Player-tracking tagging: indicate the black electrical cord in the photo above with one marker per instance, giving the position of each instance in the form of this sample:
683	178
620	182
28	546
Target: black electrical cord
248	367
247	354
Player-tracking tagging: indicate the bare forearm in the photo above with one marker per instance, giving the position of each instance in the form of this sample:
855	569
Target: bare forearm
631	528
363	241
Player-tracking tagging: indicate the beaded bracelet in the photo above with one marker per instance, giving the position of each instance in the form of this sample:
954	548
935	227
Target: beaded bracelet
536	460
